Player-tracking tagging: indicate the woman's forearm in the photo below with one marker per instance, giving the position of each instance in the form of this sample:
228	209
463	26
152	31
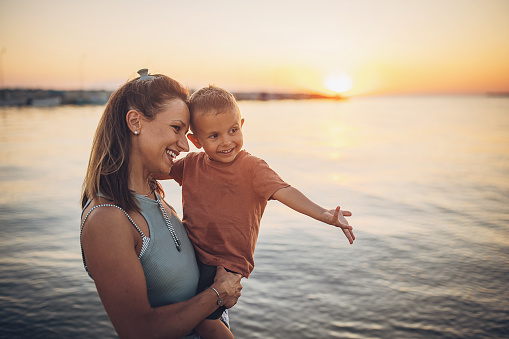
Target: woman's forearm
176	320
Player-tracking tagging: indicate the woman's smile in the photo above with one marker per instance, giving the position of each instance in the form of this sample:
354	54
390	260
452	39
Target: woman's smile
172	155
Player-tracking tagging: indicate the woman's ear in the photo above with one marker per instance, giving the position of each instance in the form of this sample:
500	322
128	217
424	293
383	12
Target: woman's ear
133	119
194	140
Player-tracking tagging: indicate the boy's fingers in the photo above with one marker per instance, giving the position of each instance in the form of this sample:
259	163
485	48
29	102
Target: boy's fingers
335	219
336	213
343	212
347	229
346	213
349	235
352	235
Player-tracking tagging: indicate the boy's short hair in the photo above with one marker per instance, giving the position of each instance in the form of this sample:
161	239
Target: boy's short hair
211	99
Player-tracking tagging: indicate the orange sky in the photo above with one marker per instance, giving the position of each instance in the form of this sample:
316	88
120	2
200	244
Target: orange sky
385	47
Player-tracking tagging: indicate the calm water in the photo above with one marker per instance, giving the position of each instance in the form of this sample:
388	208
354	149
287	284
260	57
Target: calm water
427	179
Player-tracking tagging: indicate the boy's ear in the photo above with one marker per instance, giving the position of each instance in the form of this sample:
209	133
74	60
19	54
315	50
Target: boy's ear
133	119
241	122
194	140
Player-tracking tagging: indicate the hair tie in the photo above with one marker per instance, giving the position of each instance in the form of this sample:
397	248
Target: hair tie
144	74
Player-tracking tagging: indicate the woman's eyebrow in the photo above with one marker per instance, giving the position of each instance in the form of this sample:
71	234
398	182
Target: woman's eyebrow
179	122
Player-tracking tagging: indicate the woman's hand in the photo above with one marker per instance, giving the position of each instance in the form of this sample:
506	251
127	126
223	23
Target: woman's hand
228	285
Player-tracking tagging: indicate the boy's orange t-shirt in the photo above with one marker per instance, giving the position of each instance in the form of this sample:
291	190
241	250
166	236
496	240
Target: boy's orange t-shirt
223	205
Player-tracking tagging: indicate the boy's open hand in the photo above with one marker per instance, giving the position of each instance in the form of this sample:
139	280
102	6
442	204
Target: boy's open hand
337	218
294	199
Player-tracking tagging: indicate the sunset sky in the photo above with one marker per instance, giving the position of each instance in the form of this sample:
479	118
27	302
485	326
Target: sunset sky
381	47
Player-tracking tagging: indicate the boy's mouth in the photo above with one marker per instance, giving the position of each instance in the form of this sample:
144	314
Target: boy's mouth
227	152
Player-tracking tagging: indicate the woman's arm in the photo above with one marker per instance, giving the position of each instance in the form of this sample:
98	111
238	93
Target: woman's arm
297	201
109	243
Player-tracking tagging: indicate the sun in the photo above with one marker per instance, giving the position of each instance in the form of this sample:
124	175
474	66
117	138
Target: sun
338	83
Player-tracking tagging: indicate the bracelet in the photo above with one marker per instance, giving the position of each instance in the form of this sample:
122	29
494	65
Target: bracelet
219	299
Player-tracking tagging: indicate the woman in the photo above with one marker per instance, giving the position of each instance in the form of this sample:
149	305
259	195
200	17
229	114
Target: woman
133	245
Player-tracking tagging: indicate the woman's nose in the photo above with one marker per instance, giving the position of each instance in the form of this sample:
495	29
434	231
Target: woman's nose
183	144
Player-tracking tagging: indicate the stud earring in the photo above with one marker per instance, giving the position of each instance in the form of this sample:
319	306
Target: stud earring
136	132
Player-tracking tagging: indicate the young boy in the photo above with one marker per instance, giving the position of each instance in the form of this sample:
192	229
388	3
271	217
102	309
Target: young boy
224	193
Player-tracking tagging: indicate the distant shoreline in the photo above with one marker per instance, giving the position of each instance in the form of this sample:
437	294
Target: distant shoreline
498	94
47	98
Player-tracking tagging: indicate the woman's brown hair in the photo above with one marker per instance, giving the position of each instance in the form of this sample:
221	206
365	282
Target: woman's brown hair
108	167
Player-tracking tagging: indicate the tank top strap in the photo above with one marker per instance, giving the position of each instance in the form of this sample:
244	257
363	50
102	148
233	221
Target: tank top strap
144	238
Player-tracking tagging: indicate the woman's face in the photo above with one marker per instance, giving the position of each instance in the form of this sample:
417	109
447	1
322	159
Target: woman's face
164	137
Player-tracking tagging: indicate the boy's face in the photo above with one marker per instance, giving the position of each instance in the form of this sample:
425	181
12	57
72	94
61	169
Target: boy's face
220	135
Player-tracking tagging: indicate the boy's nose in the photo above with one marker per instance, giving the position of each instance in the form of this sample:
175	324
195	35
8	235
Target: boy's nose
225	141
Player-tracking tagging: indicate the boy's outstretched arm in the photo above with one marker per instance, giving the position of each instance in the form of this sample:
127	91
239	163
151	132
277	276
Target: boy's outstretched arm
297	201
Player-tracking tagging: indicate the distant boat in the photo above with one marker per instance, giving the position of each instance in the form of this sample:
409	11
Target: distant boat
45	102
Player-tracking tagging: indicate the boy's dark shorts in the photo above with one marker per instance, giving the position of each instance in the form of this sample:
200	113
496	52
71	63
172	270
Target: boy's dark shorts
207	275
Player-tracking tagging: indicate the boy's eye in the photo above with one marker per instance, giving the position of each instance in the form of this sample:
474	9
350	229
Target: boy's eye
233	130
213	136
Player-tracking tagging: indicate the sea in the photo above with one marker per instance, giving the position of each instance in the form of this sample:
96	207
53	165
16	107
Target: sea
425	177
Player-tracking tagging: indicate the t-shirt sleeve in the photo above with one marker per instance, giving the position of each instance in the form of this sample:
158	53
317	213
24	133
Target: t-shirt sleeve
177	171
266	181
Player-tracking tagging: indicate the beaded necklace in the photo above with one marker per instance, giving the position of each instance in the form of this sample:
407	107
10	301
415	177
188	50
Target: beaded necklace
169	225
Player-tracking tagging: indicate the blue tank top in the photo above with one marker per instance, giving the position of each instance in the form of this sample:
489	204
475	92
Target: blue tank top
171	276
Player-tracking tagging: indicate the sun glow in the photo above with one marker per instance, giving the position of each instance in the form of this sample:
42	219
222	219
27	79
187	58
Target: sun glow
338	83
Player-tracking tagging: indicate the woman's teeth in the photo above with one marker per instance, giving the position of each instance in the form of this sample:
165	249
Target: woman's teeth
171	154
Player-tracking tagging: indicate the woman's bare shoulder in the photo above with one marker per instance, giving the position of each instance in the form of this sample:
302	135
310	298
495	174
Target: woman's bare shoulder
106	233
104	216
